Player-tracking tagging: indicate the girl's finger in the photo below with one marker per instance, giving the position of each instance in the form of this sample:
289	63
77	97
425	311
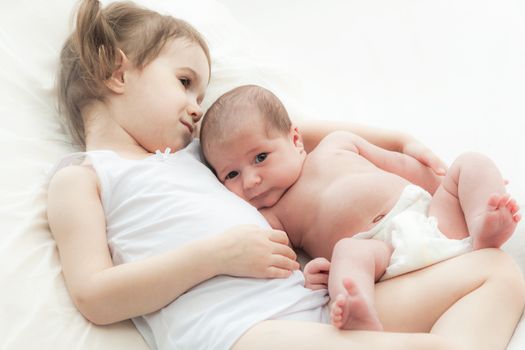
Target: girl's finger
275	272
279	237
282	262
436	164
284	250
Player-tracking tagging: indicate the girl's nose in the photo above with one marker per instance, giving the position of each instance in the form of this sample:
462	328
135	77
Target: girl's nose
195	112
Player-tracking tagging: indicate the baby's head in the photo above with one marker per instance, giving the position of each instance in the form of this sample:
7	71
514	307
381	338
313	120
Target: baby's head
105	41
249	141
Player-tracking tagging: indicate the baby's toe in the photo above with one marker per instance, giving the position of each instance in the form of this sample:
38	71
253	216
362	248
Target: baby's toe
503	200
493	201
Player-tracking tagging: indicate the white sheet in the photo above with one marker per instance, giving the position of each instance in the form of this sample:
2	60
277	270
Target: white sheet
449	72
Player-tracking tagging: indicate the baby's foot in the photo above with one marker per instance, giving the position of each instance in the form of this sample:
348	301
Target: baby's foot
494	227
353	311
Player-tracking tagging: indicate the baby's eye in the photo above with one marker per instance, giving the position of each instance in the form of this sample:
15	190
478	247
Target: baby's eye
231	175
260	157
185	82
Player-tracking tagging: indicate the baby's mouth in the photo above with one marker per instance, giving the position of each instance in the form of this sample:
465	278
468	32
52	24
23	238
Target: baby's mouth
258	199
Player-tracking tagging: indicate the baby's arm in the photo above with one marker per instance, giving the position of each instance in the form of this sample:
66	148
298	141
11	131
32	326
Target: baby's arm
313	131
394	162
104	293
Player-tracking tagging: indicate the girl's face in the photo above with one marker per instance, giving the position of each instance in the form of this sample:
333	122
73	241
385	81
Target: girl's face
257	166
162	100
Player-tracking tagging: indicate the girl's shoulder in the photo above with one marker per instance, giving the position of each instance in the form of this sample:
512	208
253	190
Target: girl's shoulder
74	172
73	178
77	169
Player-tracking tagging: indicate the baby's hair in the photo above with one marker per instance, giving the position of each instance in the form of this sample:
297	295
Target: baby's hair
90	54
240	106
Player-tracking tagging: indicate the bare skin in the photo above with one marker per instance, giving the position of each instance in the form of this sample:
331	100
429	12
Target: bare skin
421	302
352	289
353	309
273	173
493	227
491	220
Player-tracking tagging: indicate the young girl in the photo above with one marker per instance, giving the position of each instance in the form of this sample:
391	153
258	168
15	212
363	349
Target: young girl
130	85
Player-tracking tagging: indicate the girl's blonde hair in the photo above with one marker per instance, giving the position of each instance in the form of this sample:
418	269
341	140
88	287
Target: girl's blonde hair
90	54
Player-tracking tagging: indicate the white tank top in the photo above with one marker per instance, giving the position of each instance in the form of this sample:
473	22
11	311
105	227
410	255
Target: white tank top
164	201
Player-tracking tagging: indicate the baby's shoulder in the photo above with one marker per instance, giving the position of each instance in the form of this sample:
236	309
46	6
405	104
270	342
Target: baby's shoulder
335	141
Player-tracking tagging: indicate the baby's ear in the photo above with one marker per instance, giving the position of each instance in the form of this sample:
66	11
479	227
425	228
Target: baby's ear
296	138
117	80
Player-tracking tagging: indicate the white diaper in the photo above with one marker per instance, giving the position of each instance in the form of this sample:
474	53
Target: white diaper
415	237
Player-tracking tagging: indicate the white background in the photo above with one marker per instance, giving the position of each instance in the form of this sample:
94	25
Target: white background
451	73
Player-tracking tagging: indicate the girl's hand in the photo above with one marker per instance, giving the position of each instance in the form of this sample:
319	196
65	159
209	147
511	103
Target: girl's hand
316	274
423	154
249	251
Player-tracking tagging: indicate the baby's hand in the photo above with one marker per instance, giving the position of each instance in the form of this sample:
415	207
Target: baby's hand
316	274
249	251
424	155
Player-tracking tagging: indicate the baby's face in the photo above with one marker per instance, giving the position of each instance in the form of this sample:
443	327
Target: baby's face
256	166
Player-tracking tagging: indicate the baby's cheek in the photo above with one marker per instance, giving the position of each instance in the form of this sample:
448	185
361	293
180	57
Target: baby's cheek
239	192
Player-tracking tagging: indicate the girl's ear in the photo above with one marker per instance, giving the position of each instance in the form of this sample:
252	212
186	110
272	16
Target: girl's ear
117	81
296	138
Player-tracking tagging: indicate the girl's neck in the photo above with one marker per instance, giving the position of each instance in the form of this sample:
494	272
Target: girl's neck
103	132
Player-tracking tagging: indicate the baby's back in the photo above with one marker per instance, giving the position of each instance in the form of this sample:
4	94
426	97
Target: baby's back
338	194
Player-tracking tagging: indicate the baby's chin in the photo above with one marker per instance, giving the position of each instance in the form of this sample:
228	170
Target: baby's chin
268	200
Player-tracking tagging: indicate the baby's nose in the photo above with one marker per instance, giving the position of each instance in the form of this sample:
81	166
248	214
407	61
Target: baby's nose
251	179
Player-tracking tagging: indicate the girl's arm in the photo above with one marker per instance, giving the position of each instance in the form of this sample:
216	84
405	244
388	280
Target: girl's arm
104	293
313	131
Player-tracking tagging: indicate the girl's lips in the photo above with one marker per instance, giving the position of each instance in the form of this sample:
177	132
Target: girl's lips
188	125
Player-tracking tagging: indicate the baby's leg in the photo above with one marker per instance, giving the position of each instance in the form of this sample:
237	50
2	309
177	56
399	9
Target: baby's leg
472	199
355	267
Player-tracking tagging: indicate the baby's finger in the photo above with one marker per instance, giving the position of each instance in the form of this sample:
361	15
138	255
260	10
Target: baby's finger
317	265
323	265
316	286
319	278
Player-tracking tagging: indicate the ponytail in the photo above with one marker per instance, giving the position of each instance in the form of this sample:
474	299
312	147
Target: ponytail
95	41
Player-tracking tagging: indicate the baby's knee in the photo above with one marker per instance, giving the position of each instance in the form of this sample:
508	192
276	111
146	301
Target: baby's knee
353	244
472	159
345	245
366	247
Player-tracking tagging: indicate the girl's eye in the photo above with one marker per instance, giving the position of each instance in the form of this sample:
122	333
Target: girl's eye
260	157
231	175
185	82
